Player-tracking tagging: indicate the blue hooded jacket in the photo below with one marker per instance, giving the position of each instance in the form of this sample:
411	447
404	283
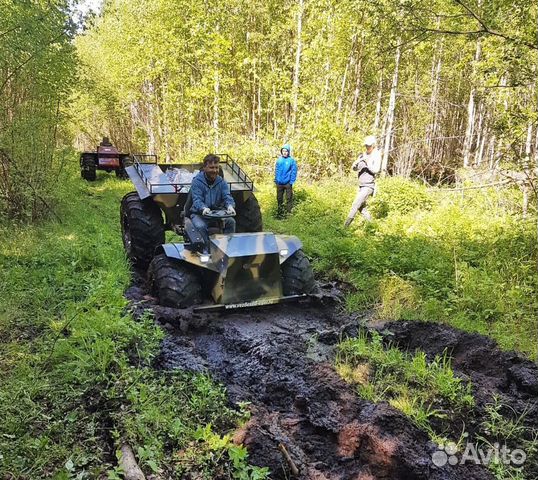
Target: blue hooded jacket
285	168
213	196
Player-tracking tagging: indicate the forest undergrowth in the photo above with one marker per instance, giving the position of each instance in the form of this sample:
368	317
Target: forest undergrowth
76	371
466	258
77	376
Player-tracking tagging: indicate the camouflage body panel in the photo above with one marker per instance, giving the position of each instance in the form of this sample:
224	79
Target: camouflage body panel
246	266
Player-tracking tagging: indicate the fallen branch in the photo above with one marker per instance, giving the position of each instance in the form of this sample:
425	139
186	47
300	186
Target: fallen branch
291	463
131	470
485	185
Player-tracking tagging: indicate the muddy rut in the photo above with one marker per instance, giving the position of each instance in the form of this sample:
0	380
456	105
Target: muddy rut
306	421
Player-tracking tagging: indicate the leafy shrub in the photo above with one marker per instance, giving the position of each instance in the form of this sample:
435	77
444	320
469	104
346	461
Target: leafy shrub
399	195
398	296
468	260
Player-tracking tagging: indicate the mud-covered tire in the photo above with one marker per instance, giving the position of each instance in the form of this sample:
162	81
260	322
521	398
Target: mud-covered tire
142	228
120	172
174	283
297	275
249	216
88	168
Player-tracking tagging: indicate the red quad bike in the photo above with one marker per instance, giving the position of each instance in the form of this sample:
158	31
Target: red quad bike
106	158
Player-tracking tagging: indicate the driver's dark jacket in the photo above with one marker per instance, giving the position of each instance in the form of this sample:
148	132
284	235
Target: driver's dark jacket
215	196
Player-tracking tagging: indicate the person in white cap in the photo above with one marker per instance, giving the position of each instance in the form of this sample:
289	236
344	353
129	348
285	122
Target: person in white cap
367	166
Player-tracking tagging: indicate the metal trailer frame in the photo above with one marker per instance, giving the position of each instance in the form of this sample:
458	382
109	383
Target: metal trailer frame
150	181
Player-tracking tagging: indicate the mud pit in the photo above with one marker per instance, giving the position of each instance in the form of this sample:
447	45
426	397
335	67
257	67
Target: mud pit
493	373
280	360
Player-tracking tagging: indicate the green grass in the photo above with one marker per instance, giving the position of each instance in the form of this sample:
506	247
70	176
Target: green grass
469	261
76	375
435	399
75	368
424	391
502	426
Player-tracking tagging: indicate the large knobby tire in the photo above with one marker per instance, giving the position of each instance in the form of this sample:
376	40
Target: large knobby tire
174	283
88	168
142	228
297	275
249	216
120	171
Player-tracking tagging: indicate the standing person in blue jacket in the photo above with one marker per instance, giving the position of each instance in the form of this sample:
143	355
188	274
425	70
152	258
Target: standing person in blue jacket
285	176
210	192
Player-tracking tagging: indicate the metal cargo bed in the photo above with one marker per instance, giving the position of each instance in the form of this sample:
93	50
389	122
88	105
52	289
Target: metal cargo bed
151	178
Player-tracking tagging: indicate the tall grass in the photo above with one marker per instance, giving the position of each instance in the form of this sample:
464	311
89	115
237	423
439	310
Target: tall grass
468	259
76	375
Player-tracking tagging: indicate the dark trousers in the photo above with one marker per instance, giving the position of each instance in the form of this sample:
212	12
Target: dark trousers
280	189
202	225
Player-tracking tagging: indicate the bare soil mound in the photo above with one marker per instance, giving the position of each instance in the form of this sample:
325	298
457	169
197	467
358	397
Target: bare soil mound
508	376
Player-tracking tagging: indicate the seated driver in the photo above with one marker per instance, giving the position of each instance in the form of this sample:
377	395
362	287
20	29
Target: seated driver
210	192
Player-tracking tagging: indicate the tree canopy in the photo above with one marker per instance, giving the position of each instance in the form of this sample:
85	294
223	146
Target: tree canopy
443	84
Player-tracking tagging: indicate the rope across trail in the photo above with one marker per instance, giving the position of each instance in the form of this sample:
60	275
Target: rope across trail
523	179
475	187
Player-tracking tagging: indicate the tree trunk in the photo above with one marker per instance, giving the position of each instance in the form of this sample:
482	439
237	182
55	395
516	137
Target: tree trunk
253	103
165	120
391	111
358	79
343	88
433	131
528	147
216	111
377	119
259	122
296	70
149	121
275	121
536	149
479	136
344	78
469	132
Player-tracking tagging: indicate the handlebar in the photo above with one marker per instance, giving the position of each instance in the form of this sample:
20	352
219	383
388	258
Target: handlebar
218	214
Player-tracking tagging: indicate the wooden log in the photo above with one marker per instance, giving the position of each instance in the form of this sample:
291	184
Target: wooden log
129	464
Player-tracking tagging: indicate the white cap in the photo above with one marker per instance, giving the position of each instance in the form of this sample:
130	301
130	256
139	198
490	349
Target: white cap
370	141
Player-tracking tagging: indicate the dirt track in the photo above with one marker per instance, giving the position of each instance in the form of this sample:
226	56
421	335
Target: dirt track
280	359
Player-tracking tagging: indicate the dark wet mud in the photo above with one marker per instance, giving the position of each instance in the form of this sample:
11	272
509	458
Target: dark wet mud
507	376
306	421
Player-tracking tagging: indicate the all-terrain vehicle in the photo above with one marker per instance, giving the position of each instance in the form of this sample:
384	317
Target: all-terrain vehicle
106	157
247	268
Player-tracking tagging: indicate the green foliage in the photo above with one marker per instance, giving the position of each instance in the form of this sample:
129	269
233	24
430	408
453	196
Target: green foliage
397	297
399	195
423	390
502	426
208	452
76	375
35	75
469	261
223	75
